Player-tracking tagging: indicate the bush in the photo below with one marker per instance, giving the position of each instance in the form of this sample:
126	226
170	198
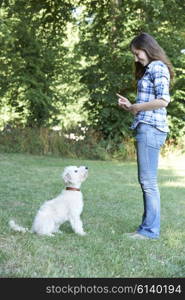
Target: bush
75	143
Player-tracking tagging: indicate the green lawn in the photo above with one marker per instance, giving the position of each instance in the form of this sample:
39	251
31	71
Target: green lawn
112	207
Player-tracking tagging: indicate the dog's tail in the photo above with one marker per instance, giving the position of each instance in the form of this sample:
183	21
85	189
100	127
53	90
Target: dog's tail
16	227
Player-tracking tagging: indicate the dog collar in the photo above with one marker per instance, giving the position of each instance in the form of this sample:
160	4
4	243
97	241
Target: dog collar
72	189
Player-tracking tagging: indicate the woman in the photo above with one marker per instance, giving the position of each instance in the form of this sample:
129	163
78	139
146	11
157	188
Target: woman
153	72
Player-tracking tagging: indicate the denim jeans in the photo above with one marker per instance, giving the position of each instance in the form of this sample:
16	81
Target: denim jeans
148	143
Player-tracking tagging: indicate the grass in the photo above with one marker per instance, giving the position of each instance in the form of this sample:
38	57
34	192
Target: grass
113	207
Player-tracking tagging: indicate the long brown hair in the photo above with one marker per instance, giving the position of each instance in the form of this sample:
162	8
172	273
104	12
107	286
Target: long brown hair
147	43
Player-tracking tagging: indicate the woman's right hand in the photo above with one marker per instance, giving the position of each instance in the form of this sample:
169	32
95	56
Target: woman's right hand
123	102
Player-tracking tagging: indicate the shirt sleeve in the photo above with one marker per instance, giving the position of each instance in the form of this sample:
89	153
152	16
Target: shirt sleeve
161	80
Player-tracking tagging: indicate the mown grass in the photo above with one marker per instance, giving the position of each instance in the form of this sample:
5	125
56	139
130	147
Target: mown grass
113	207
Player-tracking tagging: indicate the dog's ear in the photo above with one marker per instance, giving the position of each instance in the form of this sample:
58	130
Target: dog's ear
66	176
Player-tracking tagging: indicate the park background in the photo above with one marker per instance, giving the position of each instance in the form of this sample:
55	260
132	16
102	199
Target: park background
61	65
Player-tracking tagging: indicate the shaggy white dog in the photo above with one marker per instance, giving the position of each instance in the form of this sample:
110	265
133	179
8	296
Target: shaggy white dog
67	206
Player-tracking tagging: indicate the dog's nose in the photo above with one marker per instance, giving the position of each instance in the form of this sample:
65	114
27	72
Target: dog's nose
86	168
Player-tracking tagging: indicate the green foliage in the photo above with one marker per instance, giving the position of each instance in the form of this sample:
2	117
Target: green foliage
62	62
177	106
75	143
107	72
33	46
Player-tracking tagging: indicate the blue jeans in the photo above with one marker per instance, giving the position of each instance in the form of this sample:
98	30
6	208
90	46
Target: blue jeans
148	143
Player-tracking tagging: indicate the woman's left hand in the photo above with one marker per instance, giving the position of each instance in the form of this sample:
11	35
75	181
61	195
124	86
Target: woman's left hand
134	109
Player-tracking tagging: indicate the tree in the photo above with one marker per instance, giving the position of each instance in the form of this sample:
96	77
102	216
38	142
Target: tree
33	34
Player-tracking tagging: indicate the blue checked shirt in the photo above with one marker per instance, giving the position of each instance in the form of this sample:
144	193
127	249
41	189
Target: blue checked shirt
153	85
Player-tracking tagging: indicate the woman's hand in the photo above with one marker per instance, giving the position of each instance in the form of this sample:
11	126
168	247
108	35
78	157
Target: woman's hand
126	105
124	102
134	108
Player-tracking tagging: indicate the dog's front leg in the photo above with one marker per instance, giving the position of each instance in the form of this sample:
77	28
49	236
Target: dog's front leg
77	225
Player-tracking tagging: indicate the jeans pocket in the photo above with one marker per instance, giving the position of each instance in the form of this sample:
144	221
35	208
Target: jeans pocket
156	140
140	137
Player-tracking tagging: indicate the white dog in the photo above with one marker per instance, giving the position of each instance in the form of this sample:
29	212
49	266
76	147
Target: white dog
67	206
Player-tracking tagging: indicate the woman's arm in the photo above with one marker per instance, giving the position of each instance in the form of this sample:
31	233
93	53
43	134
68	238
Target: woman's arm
145	106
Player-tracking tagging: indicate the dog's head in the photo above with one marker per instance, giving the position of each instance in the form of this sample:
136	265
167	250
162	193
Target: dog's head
75	175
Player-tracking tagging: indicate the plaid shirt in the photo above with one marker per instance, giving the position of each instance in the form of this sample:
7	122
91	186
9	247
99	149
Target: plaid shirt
153	85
